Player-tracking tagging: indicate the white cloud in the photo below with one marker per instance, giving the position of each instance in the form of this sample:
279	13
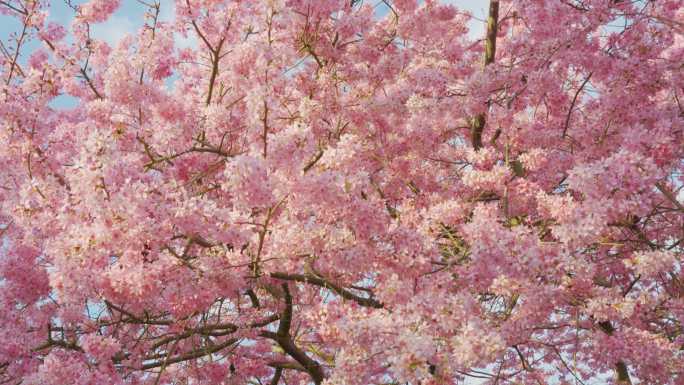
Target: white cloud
113	30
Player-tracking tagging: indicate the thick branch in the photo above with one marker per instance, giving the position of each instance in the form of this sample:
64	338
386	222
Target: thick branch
253	297
478	123
216	57
190	355
135	319
621	371
313	161
286	317
287	365
215	330
319	281
276	376
287	344
284	339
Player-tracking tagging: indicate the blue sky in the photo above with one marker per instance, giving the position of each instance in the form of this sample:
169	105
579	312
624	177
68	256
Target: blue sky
130	16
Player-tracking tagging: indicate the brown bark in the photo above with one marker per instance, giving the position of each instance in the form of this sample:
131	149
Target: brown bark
478	122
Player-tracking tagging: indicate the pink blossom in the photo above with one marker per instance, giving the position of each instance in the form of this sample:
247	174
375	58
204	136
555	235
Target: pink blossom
341	192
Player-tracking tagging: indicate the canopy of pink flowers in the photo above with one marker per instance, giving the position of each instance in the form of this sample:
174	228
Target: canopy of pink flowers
317	192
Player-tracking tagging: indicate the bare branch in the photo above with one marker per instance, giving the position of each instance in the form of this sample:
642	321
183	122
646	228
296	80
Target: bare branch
572	104
322	282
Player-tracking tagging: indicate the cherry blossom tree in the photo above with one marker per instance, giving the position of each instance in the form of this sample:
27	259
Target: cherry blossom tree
318	192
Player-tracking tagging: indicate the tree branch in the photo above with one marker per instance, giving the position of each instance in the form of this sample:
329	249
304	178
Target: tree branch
322	282
287	365
284	339
572	104
216	57
190	355
276	376
621	371
669	195
478	123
